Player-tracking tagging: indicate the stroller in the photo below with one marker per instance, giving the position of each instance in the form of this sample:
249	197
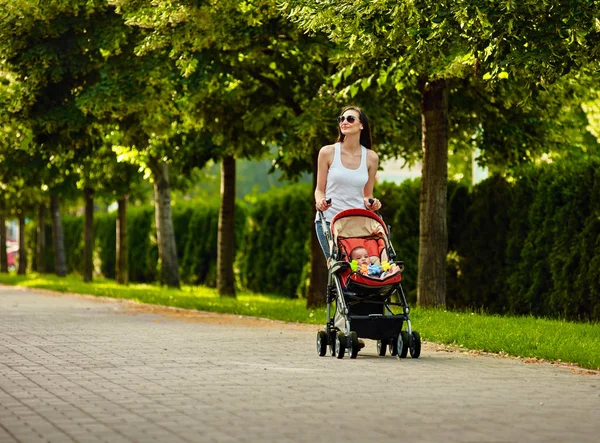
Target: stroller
363	303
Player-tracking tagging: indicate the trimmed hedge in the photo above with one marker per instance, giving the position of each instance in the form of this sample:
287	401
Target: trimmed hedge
105	239
73	233
480	248
274	255
143	247
400	211
531	246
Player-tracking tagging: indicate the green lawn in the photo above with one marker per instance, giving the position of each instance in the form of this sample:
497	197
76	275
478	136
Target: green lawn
556	340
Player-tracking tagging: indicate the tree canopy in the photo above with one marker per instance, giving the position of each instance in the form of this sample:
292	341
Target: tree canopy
95	92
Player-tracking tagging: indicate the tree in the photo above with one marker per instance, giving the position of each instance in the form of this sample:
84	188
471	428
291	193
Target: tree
537	42
221	49
253	80
117	180
440	50
20	182
3	256
50	49
135	92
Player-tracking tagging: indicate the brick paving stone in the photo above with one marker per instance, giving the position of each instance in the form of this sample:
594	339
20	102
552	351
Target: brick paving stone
98	370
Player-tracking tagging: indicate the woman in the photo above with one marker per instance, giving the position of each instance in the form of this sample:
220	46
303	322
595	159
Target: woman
346	170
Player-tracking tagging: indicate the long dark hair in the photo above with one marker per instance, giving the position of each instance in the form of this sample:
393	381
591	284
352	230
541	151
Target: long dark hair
365	134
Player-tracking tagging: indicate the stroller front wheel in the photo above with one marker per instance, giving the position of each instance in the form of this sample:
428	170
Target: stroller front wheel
415	345
340	345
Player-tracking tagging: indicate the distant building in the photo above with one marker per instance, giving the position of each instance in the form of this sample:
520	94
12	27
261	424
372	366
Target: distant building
12	230
396	172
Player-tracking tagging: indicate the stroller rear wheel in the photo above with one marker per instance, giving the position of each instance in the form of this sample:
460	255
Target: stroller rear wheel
340	345
353	344
382	347
321	343
331	340
393	346
405	340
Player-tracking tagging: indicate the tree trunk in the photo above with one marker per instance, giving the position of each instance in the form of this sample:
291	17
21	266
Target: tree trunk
58	238
318	267
122	252
433	235
3	256
167	248
226	233
88	235
22	247
40	265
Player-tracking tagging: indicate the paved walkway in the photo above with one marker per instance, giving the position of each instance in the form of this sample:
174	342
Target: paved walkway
91	370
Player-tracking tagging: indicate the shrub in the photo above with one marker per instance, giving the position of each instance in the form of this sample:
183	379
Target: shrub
274	254
73	232
200	251
105	240
197	230
400	210
143	248
481	246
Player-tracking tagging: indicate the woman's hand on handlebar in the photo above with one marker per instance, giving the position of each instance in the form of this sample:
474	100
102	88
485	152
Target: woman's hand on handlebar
372	204
323	204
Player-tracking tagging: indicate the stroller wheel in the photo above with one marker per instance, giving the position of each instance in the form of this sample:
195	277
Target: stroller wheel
321	343
404	351
399	342
353	344
331	340
340	345
415	345
393	343
382	347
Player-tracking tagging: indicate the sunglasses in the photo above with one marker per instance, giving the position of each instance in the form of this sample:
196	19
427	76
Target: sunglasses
350	119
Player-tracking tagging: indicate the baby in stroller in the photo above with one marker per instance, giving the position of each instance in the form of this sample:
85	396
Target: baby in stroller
361	302
361	262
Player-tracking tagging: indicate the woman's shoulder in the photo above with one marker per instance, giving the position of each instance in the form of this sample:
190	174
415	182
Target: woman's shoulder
328	148
372	155
327	151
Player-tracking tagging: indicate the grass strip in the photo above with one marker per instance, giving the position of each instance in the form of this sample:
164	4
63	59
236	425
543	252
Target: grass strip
200	298
555	340
531	337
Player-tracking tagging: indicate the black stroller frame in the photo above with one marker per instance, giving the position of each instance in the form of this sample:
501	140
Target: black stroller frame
366	312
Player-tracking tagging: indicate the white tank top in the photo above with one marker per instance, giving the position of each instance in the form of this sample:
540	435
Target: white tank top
345	187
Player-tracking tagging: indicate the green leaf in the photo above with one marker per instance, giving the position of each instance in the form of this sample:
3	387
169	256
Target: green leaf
366	82
346	72
337	78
